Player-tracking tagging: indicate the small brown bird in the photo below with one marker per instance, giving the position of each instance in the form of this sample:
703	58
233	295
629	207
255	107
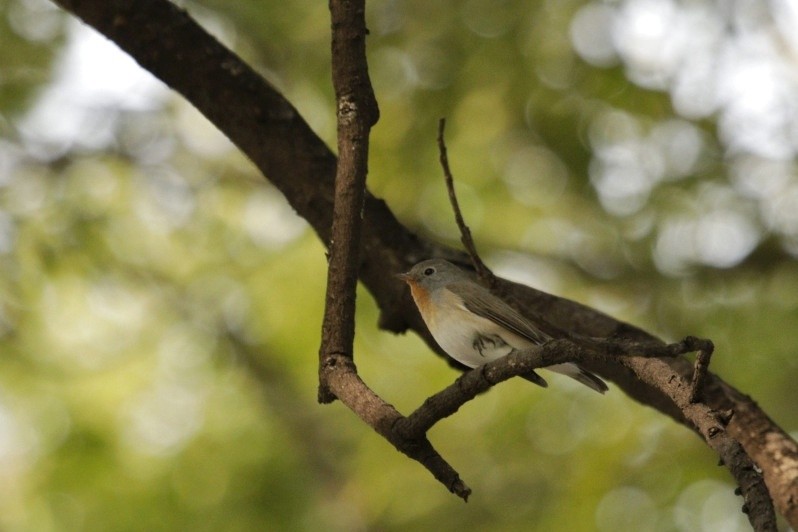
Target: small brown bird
474	326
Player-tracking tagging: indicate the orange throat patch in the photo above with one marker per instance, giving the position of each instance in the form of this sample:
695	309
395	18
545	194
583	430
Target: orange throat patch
422	299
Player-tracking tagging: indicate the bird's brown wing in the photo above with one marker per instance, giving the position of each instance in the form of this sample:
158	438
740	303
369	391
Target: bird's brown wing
482	303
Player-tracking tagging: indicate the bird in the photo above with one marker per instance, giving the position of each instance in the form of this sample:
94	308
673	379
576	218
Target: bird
474	326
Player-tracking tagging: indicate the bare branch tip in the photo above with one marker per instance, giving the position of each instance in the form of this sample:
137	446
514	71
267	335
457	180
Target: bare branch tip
483	271
460	489
441	128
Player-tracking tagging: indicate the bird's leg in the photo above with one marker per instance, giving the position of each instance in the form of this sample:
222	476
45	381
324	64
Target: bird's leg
480	342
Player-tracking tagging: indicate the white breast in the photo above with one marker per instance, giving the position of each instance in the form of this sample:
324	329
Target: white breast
458	332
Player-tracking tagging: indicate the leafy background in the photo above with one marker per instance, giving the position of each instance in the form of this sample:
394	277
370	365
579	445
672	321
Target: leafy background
161	303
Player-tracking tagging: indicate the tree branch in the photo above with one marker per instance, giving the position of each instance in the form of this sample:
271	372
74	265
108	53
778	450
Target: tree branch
483	271
470	384
383	417
165	41
357	113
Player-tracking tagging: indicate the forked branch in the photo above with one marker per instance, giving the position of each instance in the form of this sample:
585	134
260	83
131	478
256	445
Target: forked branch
357	112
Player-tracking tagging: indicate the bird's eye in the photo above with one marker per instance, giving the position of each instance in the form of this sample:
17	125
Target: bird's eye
429	271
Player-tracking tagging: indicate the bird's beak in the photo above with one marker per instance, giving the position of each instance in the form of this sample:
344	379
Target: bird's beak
403	276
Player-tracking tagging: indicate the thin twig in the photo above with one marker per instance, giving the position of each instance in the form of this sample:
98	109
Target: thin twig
483	271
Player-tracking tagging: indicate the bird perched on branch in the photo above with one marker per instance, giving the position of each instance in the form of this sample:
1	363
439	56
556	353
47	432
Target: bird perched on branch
474	326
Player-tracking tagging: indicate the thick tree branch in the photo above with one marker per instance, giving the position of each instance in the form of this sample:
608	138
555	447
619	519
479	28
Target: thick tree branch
165	41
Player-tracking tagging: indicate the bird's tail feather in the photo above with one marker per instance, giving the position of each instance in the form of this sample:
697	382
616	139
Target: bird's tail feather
535	378
581	375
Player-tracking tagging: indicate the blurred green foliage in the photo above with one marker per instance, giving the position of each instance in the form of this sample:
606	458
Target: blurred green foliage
161	304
